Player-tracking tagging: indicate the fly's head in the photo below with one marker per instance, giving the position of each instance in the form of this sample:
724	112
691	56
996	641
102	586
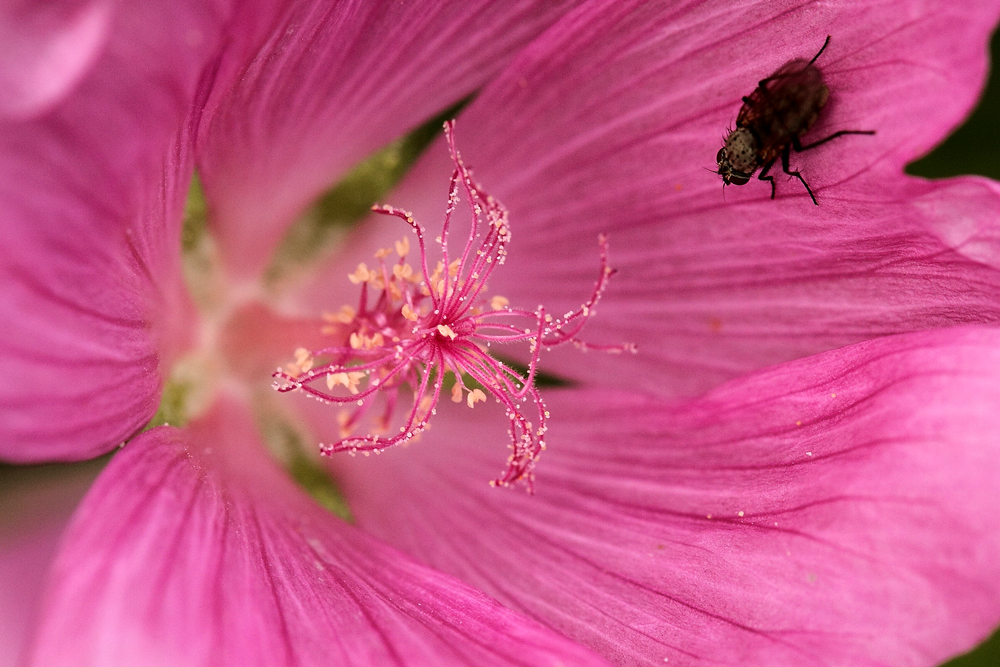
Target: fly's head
738	157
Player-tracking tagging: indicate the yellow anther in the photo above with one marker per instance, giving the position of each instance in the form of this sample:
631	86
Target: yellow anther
334	379
475	396
303	362
403	247
360	275
345	316
445	330
456	393
453	268
349	379
424	409
409	313
437	273
382	253
363	342
402	271
394	291
499	302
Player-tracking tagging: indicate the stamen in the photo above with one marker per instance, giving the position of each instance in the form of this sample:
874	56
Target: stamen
403	247
445	330
303	362
360	275
424	325
476	396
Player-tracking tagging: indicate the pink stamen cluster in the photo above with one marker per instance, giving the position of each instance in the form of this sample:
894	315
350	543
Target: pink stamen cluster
425	325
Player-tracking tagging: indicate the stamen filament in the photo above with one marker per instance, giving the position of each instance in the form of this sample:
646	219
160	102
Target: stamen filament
422	327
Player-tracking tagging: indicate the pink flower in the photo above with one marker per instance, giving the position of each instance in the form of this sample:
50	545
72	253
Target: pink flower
797	467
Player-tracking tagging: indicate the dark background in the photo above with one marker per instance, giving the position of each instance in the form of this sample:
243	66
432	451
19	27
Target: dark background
974	148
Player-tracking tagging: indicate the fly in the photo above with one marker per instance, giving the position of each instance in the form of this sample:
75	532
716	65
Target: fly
773	119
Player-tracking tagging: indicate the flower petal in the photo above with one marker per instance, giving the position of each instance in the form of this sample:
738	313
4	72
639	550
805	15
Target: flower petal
35	506
836	510
304	95
45	48
91	195
193	548
608	123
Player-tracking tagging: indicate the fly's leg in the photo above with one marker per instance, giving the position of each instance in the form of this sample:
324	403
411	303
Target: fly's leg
821	50
799	147
784	167
764	177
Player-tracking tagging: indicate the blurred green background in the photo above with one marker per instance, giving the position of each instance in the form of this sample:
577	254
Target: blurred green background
974	148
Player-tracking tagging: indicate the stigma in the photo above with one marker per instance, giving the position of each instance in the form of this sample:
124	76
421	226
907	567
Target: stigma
424	329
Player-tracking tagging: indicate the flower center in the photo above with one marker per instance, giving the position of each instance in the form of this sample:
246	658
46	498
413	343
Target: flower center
428	331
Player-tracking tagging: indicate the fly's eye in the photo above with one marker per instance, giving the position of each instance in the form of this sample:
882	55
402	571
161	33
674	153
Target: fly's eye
721	155
738	179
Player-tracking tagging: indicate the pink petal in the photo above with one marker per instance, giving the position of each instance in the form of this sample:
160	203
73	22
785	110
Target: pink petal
836	510
608	122
304	95
193	548
45	48
91	196
37	504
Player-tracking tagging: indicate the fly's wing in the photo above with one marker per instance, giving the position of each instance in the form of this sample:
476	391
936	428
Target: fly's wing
760	100
790	102
790	70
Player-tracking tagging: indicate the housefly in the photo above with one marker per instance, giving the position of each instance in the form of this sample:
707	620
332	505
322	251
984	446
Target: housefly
773	119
